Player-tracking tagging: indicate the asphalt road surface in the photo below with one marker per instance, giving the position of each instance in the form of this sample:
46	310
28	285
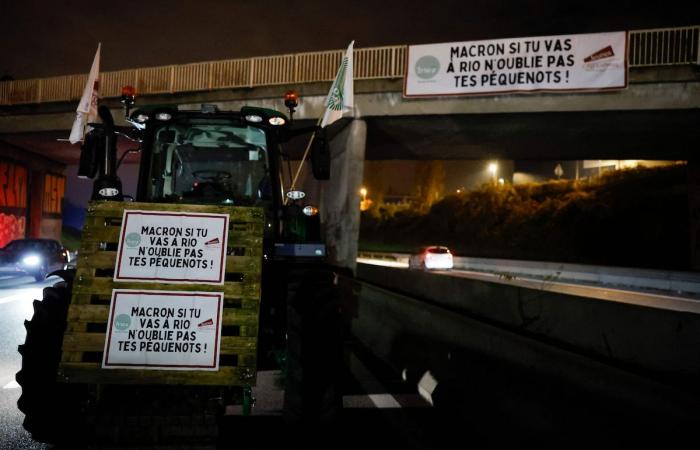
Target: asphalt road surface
446	397
16	295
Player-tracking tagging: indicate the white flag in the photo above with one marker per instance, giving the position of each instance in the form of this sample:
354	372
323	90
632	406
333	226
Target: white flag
340	97
87	108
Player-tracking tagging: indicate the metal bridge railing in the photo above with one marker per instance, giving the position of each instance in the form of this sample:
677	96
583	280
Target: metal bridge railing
664	46
669	46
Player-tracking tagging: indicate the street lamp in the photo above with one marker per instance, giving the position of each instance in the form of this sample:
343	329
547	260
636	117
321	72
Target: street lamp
364	204
493	168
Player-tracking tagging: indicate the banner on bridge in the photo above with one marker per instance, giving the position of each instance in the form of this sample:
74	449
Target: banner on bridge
578	62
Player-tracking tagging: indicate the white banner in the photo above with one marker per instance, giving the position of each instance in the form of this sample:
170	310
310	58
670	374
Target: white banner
551	63
173	247
163	330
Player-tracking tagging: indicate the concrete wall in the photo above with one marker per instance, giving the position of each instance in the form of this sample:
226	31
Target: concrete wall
38	212
483	365
340	198
656	342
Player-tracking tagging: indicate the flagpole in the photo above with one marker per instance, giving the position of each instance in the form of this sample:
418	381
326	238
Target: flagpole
306	153
339	79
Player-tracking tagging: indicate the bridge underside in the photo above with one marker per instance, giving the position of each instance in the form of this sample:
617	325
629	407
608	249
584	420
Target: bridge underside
661	135
647	134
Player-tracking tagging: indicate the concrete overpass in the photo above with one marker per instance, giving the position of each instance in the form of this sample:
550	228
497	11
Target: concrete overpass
656	117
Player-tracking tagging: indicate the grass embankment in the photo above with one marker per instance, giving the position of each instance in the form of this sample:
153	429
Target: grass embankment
636	218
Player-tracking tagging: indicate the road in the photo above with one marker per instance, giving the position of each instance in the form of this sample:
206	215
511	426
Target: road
366	397
16	296
446	397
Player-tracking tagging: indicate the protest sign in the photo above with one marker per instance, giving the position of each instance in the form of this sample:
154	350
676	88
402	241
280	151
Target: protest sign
164	330
551	63
173	247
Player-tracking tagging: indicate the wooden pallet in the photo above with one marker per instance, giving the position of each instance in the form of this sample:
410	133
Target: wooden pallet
84	339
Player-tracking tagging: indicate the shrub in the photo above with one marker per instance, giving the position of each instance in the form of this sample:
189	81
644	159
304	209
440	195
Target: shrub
634	217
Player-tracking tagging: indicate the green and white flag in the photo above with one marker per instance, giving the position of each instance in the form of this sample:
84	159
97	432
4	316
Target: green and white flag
340	97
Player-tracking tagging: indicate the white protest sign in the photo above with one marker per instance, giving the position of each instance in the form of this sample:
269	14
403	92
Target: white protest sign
173	247
163	330
551	63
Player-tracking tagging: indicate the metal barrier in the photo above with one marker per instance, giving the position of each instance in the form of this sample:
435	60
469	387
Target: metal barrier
668	46
664	46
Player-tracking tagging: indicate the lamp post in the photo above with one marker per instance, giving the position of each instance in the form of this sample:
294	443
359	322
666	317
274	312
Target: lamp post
364	204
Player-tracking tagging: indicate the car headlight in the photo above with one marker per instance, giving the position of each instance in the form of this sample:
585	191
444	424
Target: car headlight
31	260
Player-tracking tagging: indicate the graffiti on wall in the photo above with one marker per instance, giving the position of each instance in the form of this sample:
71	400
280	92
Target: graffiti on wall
13	202
54	191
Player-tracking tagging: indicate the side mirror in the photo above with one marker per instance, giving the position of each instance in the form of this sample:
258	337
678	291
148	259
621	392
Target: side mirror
91	153
321	157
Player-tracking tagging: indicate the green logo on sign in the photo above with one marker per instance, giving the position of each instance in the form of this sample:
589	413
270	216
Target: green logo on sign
122	322
133	239
427	67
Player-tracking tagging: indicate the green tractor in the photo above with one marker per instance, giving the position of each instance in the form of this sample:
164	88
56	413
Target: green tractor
213	272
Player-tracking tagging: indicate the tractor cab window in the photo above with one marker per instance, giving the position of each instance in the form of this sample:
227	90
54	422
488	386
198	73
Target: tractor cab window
213	162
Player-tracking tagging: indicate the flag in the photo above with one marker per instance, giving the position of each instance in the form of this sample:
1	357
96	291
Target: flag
340	97
87	108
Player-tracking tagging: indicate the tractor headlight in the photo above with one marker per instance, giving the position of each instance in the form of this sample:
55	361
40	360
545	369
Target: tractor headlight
276	120
310	210
253	118
163	116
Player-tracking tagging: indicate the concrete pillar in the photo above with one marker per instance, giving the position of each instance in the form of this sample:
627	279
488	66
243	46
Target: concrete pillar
340	196
694	210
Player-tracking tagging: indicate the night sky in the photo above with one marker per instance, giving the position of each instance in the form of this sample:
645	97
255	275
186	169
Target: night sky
50	38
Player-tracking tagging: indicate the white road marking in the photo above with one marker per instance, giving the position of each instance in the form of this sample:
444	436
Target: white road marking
370	384
11	385
382	262
14	298
426	386
28	294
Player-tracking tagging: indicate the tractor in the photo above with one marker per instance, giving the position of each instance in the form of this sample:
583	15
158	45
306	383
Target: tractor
121	350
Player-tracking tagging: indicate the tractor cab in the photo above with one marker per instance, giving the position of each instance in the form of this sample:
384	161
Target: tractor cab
212	157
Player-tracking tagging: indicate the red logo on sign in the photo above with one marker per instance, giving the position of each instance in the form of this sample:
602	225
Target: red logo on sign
206	323
603	53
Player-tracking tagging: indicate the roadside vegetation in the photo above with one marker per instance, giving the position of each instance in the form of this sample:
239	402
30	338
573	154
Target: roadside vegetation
635	217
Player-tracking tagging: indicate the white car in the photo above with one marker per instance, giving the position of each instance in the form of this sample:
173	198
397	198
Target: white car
432	257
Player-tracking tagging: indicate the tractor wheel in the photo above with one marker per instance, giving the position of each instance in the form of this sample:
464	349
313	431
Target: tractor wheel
314	349
49	406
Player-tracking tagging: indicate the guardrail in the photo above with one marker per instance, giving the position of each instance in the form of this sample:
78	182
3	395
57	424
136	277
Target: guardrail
370	63
662	280
668	46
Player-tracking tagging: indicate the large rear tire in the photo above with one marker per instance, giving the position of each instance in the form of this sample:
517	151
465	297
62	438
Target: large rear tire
314	349
49	407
